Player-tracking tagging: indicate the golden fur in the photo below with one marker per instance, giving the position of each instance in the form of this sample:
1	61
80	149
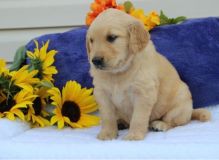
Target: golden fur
136	84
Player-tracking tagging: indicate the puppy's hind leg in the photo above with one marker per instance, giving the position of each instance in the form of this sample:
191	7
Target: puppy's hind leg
179	115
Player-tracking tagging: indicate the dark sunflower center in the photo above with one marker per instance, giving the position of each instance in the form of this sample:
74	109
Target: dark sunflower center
37	106
71	110
6	106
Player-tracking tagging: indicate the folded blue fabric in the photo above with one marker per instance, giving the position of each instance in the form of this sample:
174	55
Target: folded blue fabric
192	47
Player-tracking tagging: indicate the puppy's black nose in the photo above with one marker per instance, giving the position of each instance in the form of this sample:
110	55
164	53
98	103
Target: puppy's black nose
98	61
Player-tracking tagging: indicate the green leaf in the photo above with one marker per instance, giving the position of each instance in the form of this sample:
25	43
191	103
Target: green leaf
19	58
179	19
165	20
163	16
171	21
31	67
128	6
4	82
35	64
45	84
7	87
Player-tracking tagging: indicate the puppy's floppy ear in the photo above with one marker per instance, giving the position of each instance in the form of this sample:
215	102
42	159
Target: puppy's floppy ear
138	37
88	47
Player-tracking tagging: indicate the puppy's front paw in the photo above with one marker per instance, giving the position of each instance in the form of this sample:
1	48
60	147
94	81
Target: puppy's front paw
158	126
107	135
134	136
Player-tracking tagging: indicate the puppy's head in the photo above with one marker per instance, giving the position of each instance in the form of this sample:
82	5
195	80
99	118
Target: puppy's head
113	39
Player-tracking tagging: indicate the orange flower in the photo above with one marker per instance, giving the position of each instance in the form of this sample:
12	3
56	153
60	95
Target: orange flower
99	6
90	18
120	7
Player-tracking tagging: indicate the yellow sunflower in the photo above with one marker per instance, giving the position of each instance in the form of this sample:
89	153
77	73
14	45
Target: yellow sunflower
36	112
3	69
150	21
73	105
24	78
43	61
139	14
12	107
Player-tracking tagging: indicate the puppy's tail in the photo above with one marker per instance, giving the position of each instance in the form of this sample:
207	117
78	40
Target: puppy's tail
202	115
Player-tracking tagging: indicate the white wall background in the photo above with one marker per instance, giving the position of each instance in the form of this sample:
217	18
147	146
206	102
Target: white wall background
22	20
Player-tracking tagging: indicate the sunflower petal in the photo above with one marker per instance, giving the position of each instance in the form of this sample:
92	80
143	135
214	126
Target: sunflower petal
49	58
53	120
60	124
10	116
50	70
43	51
30	55
71	91
21	105
45	121
84	93
33	118
36	43
45	113
75	125
1	115
36	50
87	101
48	77
89	108
19	113
55	96
39	121
67	120
28	116
25	86
89	120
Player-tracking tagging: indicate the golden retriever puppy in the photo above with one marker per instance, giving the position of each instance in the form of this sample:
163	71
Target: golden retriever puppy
133	83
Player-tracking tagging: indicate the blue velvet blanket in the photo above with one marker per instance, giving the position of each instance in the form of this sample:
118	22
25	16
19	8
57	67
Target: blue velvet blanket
192	47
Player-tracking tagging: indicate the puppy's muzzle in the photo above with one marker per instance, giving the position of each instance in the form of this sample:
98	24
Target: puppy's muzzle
98	62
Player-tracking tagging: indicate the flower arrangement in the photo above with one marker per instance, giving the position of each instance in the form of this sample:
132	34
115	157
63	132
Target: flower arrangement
149	20
28	93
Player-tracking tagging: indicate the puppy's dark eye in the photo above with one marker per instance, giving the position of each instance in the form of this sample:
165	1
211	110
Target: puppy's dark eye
111	38
91	40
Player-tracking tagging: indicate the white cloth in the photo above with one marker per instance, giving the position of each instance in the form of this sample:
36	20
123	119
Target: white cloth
194	140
